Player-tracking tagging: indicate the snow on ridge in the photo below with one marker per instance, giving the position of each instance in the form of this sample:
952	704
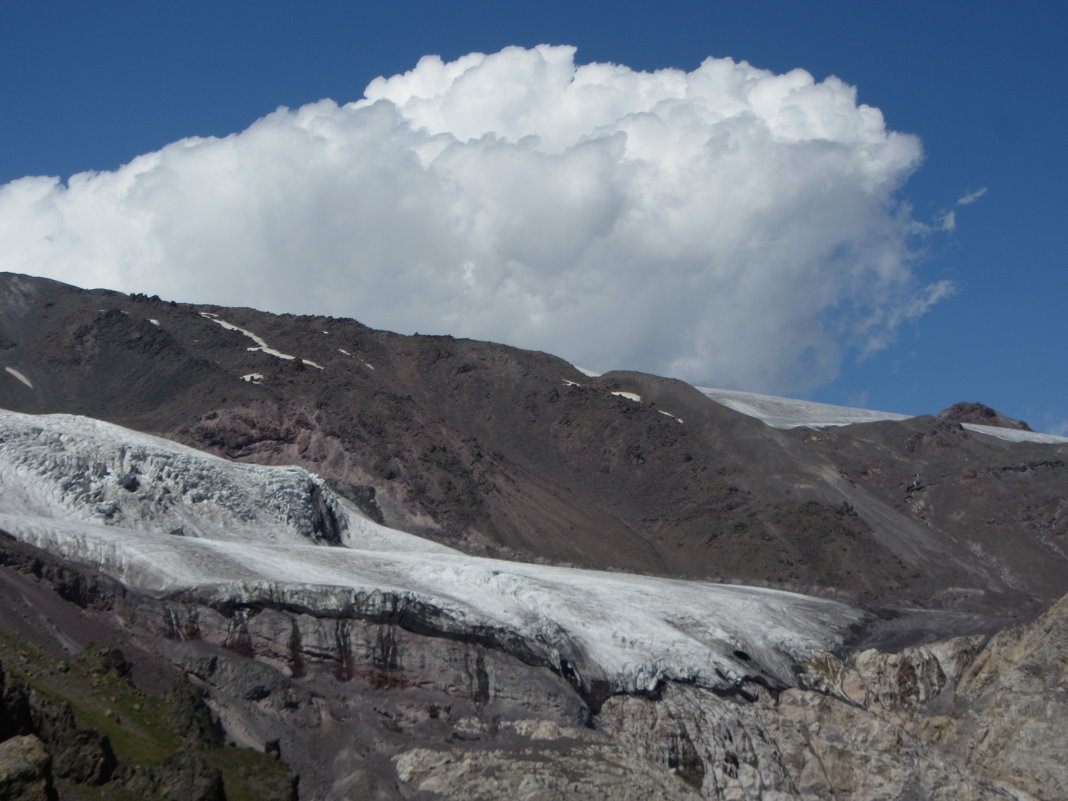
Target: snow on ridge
1016	435
248	532
792	413
261	344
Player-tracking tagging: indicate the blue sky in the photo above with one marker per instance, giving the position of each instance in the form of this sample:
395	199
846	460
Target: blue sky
91	86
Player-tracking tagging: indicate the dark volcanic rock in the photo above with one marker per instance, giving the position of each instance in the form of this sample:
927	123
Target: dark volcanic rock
982	415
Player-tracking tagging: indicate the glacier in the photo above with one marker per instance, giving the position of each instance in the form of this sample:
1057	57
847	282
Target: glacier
173	521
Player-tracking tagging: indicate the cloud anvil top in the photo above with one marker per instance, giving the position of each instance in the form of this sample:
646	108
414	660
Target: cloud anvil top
617	217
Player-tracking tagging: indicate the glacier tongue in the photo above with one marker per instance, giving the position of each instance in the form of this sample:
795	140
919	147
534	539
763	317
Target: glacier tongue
169	519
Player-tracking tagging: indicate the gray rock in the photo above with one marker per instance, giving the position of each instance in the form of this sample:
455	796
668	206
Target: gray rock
25	770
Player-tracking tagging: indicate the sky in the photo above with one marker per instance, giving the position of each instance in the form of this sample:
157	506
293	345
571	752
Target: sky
854	203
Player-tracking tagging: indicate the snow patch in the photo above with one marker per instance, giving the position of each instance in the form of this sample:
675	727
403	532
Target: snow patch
261	344
153	320
369	366
571	383
631	396
253	378
342	350
669	414
12	371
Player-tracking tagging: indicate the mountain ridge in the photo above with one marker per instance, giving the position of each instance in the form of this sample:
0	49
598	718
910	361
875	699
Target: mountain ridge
372	554
506	452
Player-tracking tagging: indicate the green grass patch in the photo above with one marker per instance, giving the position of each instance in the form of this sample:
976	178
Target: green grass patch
250	775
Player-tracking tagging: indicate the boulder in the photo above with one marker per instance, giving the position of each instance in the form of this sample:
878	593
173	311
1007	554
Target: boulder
25	770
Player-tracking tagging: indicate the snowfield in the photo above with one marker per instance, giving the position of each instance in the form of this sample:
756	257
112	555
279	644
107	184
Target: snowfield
791	413
165	518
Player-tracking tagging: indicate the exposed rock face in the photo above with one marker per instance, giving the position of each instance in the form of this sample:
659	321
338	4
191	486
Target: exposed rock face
25	770
1010	703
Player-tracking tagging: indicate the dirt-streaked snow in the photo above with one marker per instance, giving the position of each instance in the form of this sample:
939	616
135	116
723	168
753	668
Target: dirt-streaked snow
163	518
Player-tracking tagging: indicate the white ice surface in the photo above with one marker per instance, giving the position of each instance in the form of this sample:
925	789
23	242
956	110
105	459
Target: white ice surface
791	413
248	533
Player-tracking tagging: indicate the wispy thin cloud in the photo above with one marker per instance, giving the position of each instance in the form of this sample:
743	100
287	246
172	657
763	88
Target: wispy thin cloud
971	197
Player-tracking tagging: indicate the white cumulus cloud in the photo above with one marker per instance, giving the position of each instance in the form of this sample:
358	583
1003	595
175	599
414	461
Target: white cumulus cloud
728	225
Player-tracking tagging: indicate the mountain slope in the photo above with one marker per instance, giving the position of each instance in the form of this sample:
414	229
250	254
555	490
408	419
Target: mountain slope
286	573
499	451
389	666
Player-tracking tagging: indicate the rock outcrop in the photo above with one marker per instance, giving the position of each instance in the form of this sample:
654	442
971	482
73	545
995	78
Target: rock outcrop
980	414
25	770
